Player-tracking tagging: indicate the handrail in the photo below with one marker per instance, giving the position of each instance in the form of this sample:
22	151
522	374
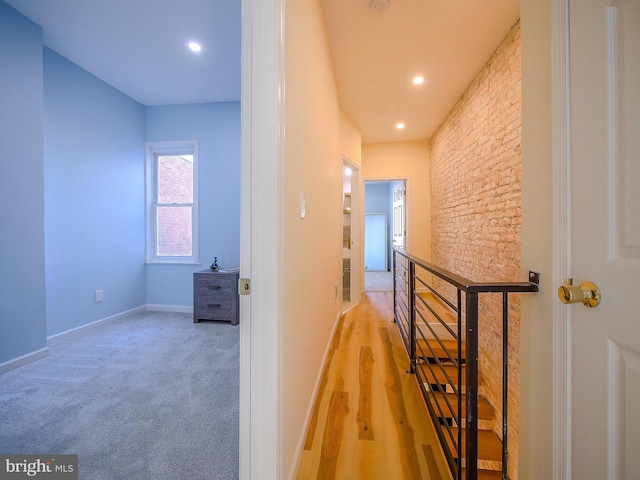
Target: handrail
452	371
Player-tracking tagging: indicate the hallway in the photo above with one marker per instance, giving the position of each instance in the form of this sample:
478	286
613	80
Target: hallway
370	422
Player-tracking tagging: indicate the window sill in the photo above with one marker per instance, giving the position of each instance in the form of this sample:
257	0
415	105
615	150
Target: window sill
172	262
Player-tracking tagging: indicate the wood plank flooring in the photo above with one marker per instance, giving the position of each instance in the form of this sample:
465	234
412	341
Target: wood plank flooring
369	420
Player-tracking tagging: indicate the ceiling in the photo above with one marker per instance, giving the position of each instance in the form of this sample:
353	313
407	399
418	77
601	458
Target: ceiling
140	48
375	57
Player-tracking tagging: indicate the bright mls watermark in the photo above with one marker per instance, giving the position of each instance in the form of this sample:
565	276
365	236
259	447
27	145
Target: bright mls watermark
50	467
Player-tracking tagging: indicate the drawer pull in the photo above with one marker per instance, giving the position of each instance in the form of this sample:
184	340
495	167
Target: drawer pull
215	305
214	287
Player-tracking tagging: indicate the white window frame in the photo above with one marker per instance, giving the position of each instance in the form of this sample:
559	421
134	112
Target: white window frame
169	148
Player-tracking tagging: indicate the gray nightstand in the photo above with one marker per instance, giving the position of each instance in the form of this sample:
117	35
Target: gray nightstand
215	296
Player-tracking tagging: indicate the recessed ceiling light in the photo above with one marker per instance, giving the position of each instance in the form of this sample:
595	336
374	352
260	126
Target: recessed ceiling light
195	47
418	80
400	125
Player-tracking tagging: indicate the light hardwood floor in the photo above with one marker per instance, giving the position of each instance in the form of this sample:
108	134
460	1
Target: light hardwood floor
369	420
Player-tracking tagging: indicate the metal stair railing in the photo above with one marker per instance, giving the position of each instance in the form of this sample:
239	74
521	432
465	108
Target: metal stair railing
425	297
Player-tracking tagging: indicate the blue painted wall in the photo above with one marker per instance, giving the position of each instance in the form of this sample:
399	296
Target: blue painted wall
216	126
73	186
22	265
94	197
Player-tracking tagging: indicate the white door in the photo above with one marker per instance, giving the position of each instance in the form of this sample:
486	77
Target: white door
399	212
605	236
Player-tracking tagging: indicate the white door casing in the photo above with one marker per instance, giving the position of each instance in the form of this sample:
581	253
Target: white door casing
355	225
399	212
261	238
603	241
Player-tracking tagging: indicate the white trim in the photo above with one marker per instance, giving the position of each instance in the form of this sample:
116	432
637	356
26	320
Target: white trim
165	148
407	204
23	360
53	339
314	398
614	449
169	308
562	425
615	242
346	308
74	331
357	243
261	238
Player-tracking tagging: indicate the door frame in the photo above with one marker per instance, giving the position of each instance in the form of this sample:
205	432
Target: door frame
261	255
407	205
562	262
261	234
357	236
403	214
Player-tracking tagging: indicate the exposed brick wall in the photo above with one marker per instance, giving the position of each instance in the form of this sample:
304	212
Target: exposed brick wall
475	181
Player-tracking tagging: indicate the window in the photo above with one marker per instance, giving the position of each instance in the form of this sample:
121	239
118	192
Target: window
172	202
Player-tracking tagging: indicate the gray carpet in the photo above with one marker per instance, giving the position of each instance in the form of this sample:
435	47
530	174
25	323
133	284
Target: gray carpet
149	396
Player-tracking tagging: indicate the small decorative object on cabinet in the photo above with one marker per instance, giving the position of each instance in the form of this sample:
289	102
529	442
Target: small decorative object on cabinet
215	296
214	265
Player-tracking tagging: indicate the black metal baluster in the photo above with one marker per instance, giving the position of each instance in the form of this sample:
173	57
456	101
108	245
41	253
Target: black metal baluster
505	380
471	363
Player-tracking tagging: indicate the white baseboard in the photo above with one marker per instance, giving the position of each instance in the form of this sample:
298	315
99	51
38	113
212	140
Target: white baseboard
38	354
169	308
355	304
74	331
303	435
23	360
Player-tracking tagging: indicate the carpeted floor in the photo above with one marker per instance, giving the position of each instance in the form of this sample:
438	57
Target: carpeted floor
378	281
149	396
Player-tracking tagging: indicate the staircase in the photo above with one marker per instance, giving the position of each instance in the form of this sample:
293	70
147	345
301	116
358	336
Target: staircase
437	314
445	405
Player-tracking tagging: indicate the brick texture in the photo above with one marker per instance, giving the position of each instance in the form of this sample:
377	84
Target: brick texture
475	181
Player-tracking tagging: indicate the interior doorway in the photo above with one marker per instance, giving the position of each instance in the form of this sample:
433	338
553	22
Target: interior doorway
351	227
385	228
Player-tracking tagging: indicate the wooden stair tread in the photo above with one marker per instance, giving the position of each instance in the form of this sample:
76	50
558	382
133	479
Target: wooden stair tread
442	309
485	410
438	376
489	445
438	351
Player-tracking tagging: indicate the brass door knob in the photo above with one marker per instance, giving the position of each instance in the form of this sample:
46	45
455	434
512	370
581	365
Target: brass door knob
586	293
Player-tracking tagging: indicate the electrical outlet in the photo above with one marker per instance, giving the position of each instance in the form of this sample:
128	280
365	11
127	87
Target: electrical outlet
99	296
